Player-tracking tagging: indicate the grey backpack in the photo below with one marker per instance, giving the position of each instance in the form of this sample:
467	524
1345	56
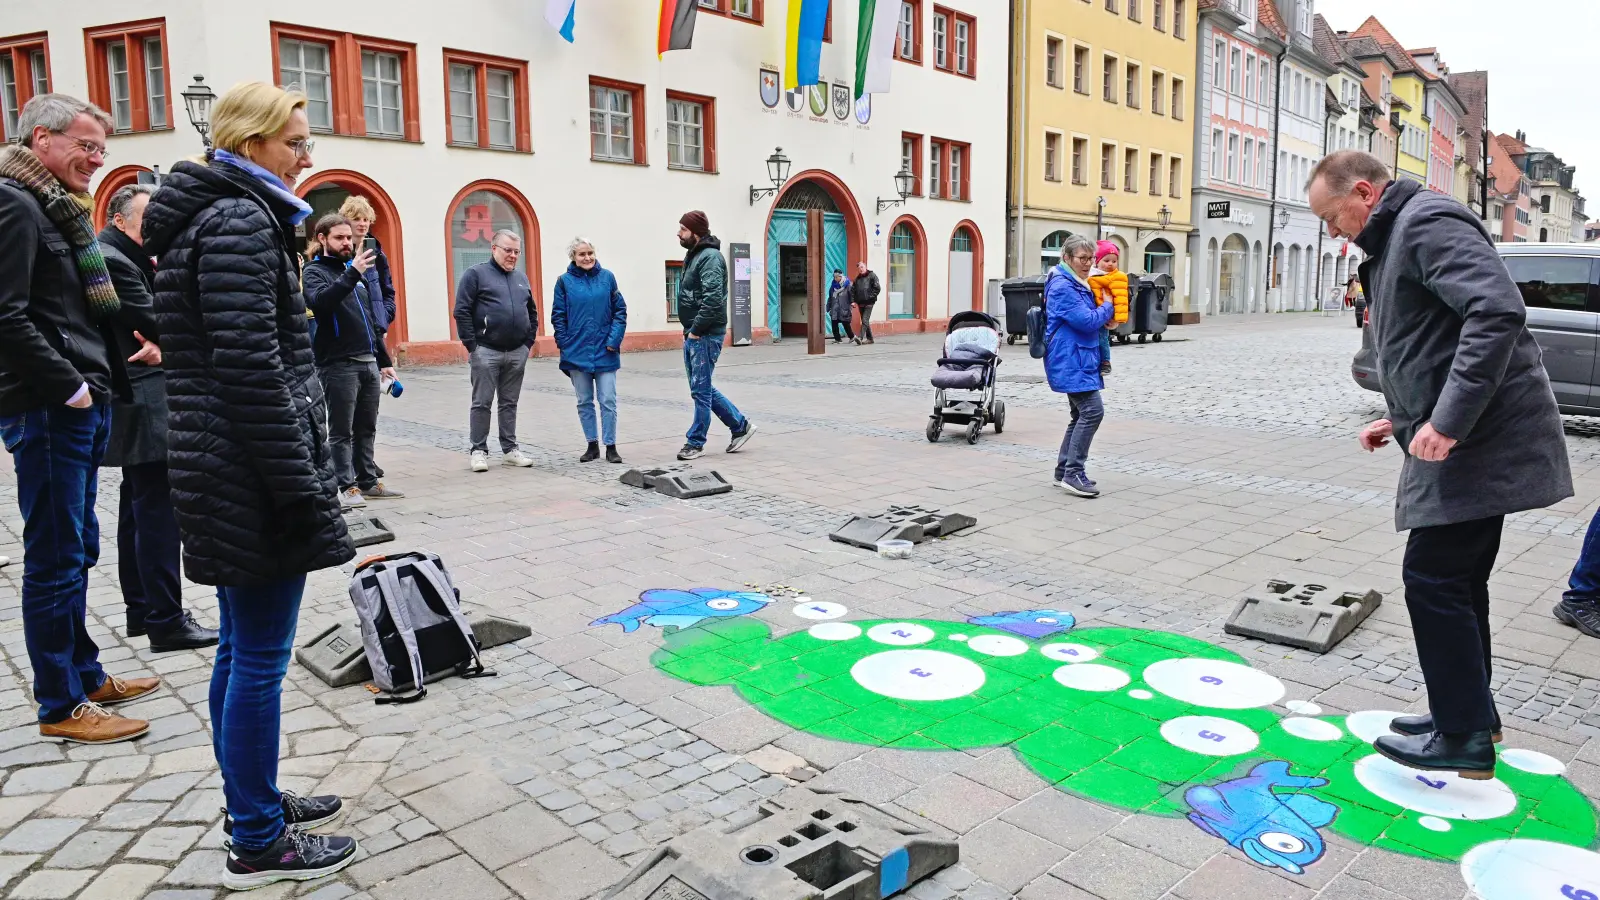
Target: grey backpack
411	623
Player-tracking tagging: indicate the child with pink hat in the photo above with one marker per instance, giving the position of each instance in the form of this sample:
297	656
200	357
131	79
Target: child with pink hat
1110	285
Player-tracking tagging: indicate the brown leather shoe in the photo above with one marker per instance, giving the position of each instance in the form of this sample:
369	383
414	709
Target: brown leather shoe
92	723
115	690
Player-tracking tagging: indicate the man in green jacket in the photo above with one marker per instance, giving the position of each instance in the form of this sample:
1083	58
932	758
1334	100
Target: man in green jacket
703	311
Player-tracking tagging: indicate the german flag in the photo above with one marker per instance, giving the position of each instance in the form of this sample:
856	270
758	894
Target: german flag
676	28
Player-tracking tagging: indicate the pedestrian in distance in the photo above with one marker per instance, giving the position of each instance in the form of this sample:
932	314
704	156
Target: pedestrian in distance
839	307
380	286
1074	323
703	311
589	319
148	544
58	373
1471	408
351	358
497	321
864	290
252	476
1109	285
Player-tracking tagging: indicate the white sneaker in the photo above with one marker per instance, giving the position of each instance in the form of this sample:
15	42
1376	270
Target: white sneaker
515	458
351	498
480	461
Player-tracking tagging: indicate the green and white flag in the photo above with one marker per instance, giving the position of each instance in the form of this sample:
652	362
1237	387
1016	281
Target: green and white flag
875	36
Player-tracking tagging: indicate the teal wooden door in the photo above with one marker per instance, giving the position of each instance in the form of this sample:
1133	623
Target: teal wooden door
789	227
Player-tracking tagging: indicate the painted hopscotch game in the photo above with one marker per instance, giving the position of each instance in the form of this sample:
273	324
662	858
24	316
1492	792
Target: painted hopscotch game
1144	721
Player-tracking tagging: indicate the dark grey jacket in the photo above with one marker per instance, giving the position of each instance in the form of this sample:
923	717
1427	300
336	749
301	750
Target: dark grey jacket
1452	348
495	308
139	422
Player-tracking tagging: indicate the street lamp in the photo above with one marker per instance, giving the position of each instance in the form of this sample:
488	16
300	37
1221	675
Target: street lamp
1283	218
777	171
1100	219
1163	219
903	181
197	99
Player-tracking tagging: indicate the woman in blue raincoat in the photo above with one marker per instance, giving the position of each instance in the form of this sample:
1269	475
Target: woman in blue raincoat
1073	325
589	318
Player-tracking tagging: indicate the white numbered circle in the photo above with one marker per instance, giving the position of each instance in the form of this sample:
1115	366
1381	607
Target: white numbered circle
1371	724
834	631
901	634
1141	694
1521	869
819	609
1434	823
1069	653
1533	761
723	603
918	674
1209	735
1312	729
1441	794
1303	708
998	645
1214	683
1091	677
958	637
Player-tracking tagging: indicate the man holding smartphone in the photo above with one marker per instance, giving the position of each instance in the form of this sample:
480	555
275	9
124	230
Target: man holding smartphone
351	357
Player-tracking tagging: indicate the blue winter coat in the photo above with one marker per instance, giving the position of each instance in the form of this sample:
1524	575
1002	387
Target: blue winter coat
1073	324
589	319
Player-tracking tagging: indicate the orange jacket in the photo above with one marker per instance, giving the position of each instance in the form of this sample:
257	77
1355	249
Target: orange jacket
1113	286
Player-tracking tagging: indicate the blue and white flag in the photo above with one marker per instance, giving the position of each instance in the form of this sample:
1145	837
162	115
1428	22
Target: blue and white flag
559	14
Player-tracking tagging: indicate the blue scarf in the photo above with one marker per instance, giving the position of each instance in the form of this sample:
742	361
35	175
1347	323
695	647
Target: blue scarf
302	210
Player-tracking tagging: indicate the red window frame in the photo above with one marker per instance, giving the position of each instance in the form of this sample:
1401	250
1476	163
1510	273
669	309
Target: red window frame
952	17
916	33
344	64
941	191
133	35
916	160
20	47
827	25
481	64
708	126
721	8
641	132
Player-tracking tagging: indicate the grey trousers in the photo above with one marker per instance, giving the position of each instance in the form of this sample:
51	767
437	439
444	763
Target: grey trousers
496	375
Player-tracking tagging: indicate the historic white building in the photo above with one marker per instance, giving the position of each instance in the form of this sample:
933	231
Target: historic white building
460	118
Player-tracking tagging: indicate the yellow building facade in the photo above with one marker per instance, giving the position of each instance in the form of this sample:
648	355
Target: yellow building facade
1103	132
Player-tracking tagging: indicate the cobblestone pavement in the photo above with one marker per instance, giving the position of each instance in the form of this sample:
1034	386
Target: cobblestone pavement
1227	457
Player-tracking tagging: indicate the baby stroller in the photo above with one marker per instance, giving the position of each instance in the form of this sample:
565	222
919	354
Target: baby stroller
971	355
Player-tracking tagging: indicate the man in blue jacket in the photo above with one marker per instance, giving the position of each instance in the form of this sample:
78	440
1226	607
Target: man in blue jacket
497	321
703	311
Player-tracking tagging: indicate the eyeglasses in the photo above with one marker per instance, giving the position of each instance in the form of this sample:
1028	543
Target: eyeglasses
89	147
302	147
510	251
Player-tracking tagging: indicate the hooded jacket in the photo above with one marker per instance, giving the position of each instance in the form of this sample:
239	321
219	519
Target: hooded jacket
1073	323
703	290
1453	349
589	319
839	300
380	289
337	295
249	463
138	422
1111	286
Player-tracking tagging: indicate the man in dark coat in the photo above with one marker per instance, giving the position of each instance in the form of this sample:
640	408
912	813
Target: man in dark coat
147	528
497	321
1471	407
703	312
864	290
839	307
57	381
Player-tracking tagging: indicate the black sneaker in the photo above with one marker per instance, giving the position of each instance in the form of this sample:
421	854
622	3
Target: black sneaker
1583	616
306	813
689	452
295	856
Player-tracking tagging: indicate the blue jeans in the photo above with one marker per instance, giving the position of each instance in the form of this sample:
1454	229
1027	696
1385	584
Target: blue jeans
1585	580
699	359
1087	411
1105	346
586	385
56	451
257	631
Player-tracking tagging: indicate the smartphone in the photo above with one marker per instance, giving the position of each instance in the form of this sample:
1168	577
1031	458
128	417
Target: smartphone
369	243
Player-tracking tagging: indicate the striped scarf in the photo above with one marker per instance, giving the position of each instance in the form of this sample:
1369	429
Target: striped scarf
70	213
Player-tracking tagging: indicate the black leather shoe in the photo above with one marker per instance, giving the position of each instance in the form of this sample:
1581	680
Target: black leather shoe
1423	724
135	629
187	636
1468	755
591	454
612	456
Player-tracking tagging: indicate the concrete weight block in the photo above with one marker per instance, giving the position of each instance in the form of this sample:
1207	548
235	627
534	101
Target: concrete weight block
1304	611
689	485
336	654
367	530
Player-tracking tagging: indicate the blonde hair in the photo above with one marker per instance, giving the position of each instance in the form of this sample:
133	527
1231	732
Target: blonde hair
251	112
357	207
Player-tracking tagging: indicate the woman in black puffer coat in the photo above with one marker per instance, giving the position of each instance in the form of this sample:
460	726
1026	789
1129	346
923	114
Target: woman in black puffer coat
250	468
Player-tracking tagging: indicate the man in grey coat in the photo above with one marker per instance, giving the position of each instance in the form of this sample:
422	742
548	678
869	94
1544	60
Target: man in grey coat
1471	407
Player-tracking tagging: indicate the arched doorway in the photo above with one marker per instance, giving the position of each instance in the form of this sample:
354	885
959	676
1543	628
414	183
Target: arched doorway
908	270
475	213
1258	278
1050	249
113	181
844	239
1232	289
1158	257
325	192
966	269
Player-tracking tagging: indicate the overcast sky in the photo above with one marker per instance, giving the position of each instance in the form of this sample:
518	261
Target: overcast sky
1539	54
